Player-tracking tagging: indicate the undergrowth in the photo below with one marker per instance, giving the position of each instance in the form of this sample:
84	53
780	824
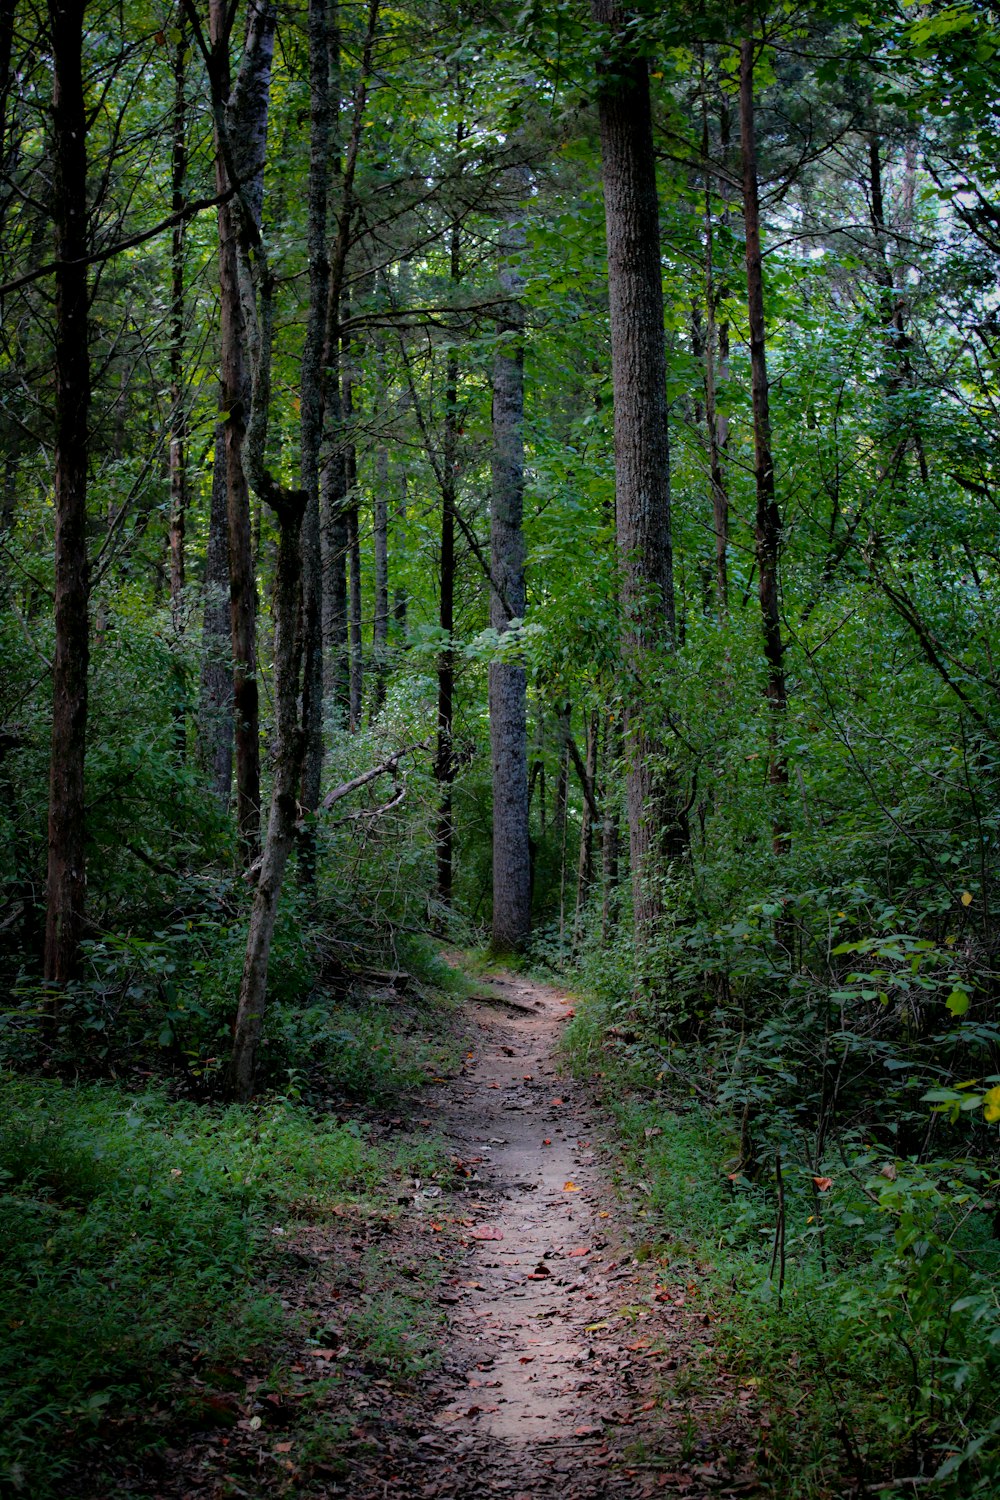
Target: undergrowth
864	1312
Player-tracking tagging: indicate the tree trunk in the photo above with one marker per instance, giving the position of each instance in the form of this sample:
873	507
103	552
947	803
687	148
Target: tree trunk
585	865
235	399
289	746
356	665
400	599
444	761
642	468
768	520
716	433
508	680
66	881
311	400
333	485
178	399
380	517
215	706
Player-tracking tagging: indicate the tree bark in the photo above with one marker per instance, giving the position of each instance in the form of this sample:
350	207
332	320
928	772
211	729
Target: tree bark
356	665
66	881
768	520
380	516
444	761
289	746
215	707
235	401
312	403
642	466
713	424
178	399
507	679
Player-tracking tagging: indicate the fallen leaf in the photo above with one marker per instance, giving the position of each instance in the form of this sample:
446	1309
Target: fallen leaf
570	1187
603	1214
582	1250
555	1101
593	1327
282	1447
546	1143
487	1232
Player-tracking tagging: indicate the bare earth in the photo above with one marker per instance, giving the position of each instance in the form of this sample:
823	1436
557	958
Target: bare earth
573	1349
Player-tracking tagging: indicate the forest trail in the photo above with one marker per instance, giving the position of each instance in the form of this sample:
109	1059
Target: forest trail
580	1351
571	1359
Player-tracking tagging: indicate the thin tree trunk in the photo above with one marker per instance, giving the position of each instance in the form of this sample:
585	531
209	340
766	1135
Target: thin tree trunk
66	881
508	680
768	519
585	864
380	517
235	396
642	466
720	497
444	762
333	484
311	397
178	402
215	706
356	664
400	599
289	746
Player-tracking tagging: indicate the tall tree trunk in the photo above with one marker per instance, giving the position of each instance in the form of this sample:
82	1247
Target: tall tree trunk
333	484
400	598
311	400
235	401
768	519
642	467
444	761
380	516
716	434
178	399
66	881
585	865
356	664
215	706
289	746
508	680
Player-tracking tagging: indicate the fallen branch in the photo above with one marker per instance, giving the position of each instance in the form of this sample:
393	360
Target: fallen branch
346	787
398	796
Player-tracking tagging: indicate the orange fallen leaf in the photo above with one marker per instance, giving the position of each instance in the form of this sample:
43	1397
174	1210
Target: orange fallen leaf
555	1101
582	1250
282	1447
603	1214
492	1085
528	1077
570	1187
487	1232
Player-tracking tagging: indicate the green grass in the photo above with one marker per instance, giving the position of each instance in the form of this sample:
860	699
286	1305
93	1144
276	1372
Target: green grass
137	1235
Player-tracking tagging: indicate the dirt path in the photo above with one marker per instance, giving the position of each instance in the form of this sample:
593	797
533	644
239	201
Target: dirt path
572	1357
579	1356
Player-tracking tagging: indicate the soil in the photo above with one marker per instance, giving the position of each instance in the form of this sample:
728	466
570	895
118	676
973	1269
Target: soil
573	1363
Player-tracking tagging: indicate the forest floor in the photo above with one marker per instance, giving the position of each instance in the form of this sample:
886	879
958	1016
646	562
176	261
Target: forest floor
558	1354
